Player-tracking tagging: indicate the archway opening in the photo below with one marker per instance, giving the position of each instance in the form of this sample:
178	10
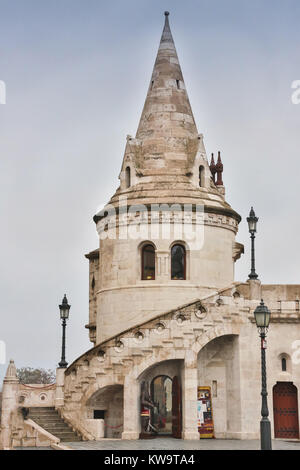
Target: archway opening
105	408
161	394
219	400
161	407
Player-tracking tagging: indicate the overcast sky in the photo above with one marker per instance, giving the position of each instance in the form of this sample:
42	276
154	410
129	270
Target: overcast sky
77	73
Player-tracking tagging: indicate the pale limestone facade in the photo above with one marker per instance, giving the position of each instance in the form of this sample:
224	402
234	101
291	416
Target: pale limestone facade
199	329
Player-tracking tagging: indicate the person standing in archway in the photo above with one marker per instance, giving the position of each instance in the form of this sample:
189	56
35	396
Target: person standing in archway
146	406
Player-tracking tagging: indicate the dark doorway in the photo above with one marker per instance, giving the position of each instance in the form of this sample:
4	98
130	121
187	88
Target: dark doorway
99	414
161	394
285	403
176	409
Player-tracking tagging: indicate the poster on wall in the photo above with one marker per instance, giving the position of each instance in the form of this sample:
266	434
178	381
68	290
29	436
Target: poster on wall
205	414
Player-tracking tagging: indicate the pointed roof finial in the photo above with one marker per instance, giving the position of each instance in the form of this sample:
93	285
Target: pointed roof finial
219	170
212	168
11	373
167	24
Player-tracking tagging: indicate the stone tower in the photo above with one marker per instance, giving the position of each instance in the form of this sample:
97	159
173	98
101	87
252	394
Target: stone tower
165	179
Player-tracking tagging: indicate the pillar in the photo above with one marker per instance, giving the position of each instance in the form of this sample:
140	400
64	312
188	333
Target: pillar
189	398
131	426
59	391
9	404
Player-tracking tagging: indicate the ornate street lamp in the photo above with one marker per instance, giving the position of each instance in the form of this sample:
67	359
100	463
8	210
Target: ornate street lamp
64	309
262	318
252	223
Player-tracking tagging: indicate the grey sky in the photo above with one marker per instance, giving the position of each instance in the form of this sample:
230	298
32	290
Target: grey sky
77	73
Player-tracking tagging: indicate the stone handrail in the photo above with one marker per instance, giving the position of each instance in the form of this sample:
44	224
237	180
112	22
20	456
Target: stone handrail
55	443
53	439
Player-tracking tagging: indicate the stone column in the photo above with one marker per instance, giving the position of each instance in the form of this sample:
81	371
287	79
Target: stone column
59	391
131	426
9	404
189	398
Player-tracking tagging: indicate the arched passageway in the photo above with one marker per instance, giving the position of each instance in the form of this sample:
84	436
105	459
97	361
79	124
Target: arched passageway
106	405
161	401
219	399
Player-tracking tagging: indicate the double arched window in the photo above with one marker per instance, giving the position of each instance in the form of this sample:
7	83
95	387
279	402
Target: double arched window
178	263
148	263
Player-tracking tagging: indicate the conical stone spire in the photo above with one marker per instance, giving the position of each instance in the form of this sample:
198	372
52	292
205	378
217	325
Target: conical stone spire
11	373
167	128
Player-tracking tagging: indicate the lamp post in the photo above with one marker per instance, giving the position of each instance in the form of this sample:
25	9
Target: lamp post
252	223
64	309
262	318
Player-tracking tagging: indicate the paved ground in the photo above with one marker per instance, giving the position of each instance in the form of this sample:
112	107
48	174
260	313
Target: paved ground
32	448
175	444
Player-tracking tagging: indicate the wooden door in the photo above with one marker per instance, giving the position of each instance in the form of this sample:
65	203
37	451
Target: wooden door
176	409
285	403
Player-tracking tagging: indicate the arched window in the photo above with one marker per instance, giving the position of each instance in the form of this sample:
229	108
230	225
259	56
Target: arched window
201	176
127	177
148	263
178	263
283	364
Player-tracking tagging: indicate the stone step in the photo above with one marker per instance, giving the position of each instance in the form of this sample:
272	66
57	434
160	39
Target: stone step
67	437
45	416
55	429
50	420
43	408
